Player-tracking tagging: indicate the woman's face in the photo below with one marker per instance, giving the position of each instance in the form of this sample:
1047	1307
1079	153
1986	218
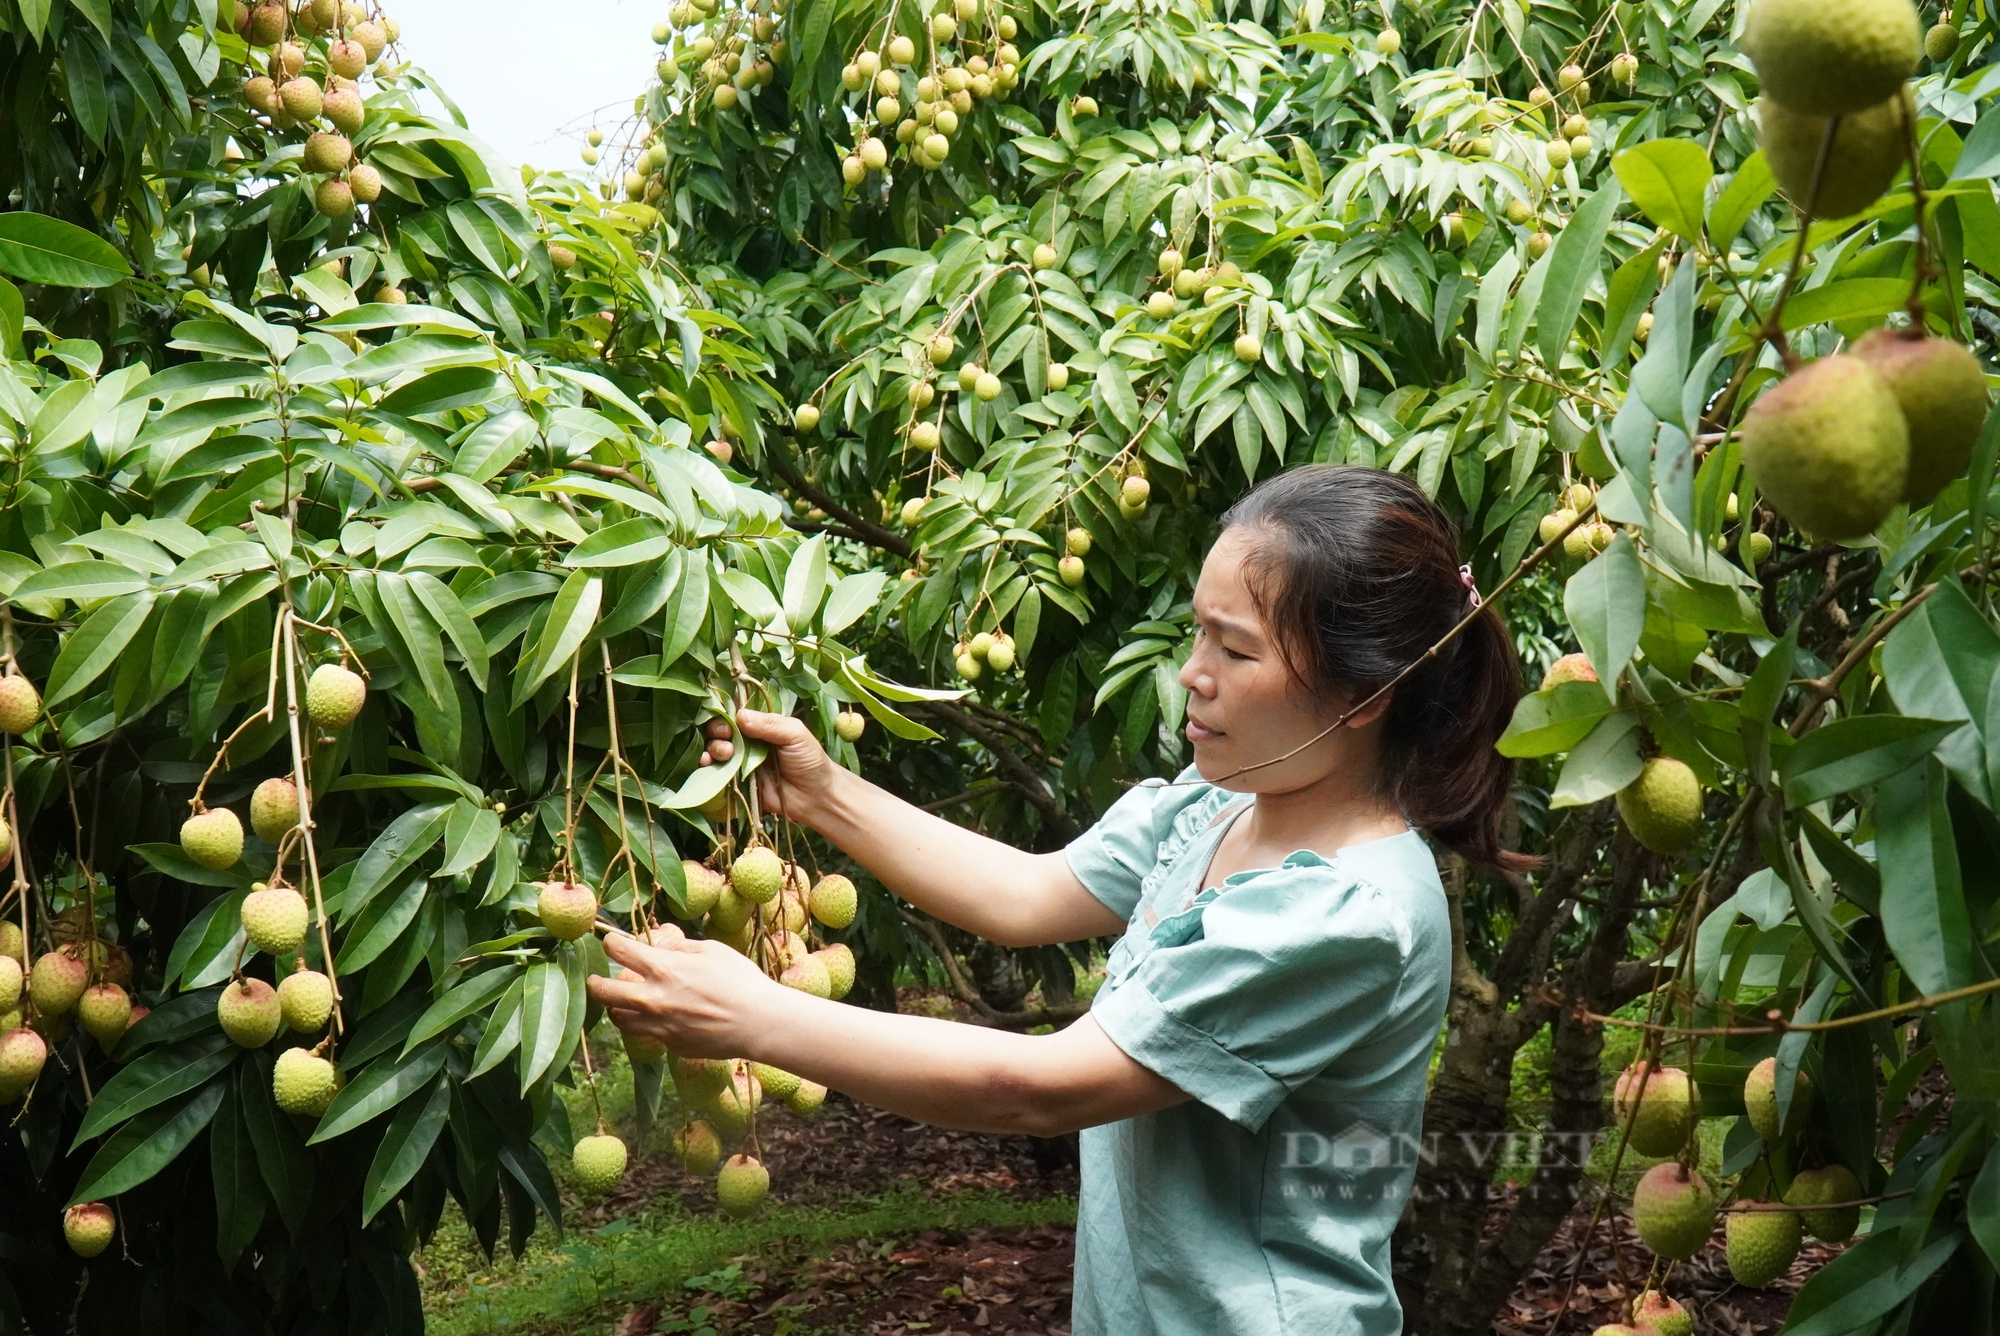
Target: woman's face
1245	705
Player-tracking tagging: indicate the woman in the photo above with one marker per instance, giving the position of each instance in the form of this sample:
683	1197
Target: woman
1250	1078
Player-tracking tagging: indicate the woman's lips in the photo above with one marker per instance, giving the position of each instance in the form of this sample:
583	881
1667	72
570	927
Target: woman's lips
1196	731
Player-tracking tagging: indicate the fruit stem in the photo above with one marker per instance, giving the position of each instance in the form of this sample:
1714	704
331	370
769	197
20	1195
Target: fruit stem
301	780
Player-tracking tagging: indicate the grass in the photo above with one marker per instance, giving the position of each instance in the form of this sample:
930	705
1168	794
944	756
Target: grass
585	1280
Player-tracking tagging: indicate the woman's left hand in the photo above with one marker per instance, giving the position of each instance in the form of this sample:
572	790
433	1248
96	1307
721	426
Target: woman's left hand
696	997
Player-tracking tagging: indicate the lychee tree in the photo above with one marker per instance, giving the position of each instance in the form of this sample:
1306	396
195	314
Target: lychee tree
1553	263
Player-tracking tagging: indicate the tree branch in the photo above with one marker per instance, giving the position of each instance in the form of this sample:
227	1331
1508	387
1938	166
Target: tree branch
962	987
1019	774
864	530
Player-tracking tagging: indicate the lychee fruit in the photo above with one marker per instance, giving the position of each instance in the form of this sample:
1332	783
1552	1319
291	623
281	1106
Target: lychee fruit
1832	57
57	982
757	875
327	151
12	980
106	1013
1655	1313
248	1010
301	98
729	914
849	725
1070	570
1662	807
697	1147
1829	448
305	1000
643	1049
807	1098
839	962
1822	1188
214	838
275	919
834	900
1760	1101
374	39
1941	42
347	58
568	909
1673	1210
267	23
274	809
1762	1243
777	1083
334	697
22	1053
1569	668
88	1227
1941	388
303	1082
742	1184
599	1162
6	844
808	976
740	1096
344	107
1668	1107
20	704
1867	152
334	198
366	183
704	886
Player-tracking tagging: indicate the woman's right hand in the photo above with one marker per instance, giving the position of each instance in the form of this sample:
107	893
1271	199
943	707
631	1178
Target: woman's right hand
797	777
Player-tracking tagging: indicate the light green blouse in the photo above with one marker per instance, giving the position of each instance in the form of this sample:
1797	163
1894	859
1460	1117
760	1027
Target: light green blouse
1297	1005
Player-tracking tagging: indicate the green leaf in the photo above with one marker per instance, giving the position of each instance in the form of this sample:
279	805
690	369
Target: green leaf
1546	723
1845	299
412	1133
627	543
1924	915
96	645
1741	198
443	390
378	927
544	1019
1938	662
570	618
1982	1208
1606	605
1668	179
380	1087
805	582
852	597
80	581
154	1079
1759	703
1851	753
282	1157
1849	1293
405	840
475	994
503	1030
451	616
1603	763
38	249
1578	254
240	1199
144	1146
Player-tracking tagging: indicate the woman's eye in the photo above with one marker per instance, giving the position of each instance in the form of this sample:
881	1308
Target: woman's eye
1233	654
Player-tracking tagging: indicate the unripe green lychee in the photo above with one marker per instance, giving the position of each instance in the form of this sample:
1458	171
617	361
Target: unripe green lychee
808	976
1617	1329
57	981
1662	807
568	909
1867	153
777	1083
599	1162
644	1049
1134	492
1045	256
849	725
834	900
12	980
327	151
1538	244
807	1098
732	1105
248	1010
1555	522
1057	375
987	387
1625	70
704	885
1077	542
12	943
1557	152
743	1183
214	838
1070	570
698	1148
366	185
1762	1244
1388	42
305	1000
334	696
1518	212
303	1082
1673	1210
1760	1102
1941	388
839	962
1569	668
274	809
1941	42
1000	658
346	58
275	919
1668	1107
1822	1188
1761	546
301	99
1656	1314
757	875
105	1011
22	1053
1832	57
88	1228
334	198
20	704
730	914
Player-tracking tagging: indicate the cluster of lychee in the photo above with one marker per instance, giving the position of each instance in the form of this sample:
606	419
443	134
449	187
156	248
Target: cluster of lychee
316	54
82	981
1674	1209
275	919
986	651
1840	442
1585	540
213	836
1210	284
726	52
1662	805
973	378
924	93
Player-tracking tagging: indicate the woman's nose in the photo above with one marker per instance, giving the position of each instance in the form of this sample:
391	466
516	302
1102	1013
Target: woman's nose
1195	675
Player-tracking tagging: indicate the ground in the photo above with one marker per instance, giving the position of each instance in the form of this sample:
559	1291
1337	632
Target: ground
879	1225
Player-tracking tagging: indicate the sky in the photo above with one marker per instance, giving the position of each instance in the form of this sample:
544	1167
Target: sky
531	77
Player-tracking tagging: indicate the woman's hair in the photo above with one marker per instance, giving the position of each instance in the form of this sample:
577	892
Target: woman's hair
1358	575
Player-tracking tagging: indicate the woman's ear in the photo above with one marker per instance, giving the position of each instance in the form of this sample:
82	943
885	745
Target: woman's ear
1372	710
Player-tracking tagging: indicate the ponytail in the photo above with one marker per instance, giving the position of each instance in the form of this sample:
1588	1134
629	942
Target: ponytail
1359	574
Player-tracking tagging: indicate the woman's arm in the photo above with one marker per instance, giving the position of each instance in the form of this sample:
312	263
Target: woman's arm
980	885
702	999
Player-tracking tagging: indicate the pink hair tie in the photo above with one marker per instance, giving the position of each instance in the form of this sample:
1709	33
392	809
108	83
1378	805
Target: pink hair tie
1471	590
